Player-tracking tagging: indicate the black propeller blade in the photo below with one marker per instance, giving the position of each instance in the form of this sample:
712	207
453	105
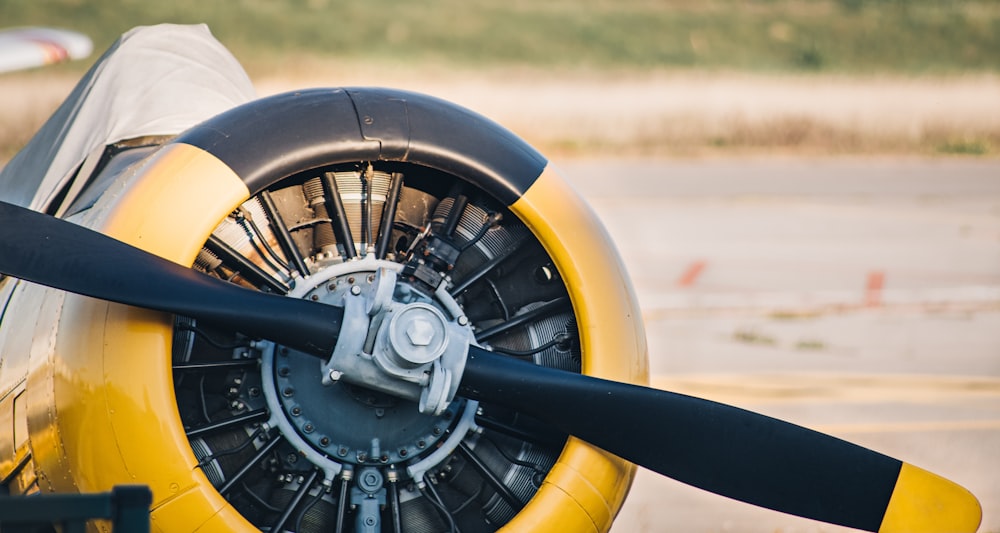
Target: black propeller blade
49	251
723	449
719	448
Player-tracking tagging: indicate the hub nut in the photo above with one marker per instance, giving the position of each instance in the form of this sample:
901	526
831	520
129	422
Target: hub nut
417	335
420	331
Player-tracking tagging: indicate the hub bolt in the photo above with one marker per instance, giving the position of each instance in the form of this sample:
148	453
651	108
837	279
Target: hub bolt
420	332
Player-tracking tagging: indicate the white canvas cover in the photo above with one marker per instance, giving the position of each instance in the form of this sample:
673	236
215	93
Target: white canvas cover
155	80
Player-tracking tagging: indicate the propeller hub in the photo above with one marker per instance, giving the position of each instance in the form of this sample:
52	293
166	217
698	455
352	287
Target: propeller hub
395	337
358	413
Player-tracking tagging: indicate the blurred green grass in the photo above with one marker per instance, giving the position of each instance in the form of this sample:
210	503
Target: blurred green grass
910	37
895	76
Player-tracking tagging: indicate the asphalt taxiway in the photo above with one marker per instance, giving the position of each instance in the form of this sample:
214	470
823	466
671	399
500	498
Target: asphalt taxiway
859	297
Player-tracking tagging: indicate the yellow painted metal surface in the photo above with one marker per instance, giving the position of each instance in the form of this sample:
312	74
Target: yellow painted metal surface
613	345
102	409
53	471
599	286
923	502
181	194
16	334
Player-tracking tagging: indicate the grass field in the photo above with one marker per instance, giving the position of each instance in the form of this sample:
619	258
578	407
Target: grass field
602	77
673	114
842	36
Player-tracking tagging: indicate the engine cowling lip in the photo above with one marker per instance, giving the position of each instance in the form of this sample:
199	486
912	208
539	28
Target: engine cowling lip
342	125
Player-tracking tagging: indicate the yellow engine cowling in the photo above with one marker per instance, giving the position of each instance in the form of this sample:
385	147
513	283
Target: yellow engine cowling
87	387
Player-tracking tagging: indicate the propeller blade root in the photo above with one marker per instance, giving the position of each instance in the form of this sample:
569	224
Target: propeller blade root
49	251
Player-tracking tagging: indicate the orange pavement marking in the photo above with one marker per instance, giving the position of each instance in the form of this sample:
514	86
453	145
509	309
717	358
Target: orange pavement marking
873	288
691	274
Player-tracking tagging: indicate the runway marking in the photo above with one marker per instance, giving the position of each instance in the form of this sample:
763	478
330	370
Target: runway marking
873	288
828	388
917	426
762	393
691	274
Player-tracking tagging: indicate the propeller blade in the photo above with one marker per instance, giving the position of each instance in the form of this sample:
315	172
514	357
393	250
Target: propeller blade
53	252
720	448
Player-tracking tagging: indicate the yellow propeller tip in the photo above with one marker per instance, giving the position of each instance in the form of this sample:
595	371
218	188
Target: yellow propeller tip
923	502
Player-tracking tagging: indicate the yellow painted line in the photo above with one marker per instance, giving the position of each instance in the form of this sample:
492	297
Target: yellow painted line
761	391
805	388
919	426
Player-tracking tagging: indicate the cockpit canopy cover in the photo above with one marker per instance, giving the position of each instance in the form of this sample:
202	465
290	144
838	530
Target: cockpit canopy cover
155	80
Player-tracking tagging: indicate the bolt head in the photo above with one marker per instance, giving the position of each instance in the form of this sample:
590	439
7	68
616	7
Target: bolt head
420	332
417	335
